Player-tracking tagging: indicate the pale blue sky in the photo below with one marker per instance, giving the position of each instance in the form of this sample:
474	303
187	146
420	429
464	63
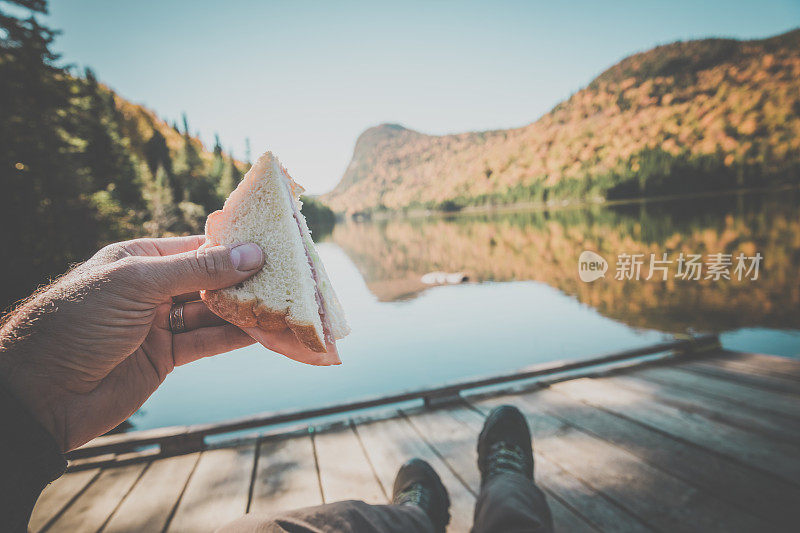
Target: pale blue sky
304	78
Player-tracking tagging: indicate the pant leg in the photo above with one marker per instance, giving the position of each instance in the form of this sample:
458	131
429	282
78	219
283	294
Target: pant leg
511	503
347	517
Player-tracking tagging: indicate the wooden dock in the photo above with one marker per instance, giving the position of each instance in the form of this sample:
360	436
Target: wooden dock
705	443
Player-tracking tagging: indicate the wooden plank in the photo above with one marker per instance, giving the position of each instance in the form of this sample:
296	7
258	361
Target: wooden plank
565	520
456	438
603	514
751	490
778	458
286	476
775	365
728	371
96	504
218	490
462	500
344	470
743	416
450	449
735	393
149	505
58	495
390	443
659	499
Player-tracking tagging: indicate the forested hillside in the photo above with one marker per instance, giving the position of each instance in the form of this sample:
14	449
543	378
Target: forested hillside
685	117
82	167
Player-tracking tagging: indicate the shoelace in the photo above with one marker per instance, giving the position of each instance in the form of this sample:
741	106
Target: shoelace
414	495
505	457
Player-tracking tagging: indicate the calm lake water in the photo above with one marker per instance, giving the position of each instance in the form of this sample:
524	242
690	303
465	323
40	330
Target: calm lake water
524	302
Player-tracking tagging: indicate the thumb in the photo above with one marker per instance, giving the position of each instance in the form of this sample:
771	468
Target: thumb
215	267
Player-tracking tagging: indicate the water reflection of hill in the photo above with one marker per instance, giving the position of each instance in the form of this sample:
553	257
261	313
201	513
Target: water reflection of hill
544	246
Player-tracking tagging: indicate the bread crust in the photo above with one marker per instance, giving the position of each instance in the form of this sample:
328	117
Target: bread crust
251	314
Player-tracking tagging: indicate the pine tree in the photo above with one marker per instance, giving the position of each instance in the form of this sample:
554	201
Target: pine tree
157	154
47	199
192	183
161	205
236	175
230	178
217	167
107	155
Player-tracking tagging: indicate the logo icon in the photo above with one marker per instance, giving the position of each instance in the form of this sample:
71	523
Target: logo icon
591	266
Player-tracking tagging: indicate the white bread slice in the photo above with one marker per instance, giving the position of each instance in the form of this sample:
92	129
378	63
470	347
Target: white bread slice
265	209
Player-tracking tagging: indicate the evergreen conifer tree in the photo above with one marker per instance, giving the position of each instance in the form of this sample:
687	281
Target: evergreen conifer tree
47	199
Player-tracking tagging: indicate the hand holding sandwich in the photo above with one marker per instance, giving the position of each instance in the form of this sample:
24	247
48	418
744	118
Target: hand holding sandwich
85	353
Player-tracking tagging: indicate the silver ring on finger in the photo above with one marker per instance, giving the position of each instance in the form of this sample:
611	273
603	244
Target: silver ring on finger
176	323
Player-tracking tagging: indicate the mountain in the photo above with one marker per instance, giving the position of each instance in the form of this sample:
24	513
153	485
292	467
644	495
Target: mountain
684	117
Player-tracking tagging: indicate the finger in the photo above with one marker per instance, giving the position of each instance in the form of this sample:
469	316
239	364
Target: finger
285	343
205	342
197	315
147	247
212	267
177	245
186	297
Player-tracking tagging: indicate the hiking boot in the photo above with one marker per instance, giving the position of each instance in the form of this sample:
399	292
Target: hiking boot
418	484
504	444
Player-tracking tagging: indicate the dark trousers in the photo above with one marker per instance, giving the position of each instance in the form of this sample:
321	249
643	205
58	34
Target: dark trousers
508	503
511	503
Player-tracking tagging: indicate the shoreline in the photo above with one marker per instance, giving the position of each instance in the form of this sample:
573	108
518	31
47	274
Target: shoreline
565	205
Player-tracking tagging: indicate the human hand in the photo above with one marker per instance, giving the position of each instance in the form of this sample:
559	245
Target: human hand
86	352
